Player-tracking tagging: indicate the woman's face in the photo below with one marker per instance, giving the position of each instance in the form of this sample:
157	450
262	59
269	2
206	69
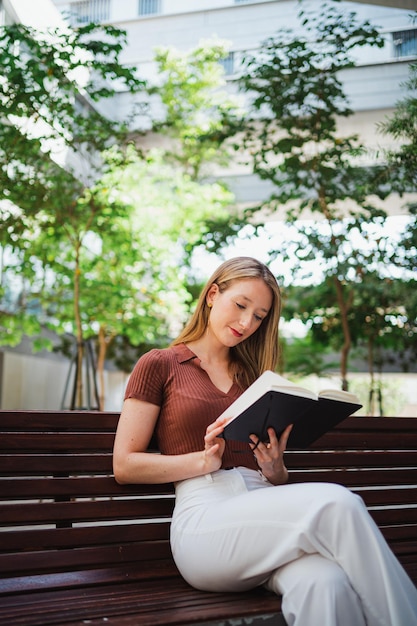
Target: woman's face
239	311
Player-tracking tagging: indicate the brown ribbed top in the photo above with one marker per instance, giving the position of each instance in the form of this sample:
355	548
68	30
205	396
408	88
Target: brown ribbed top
173	380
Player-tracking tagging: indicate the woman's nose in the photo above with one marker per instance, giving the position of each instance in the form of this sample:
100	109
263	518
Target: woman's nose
245	320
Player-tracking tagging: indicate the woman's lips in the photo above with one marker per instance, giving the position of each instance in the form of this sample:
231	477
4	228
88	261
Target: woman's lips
236	333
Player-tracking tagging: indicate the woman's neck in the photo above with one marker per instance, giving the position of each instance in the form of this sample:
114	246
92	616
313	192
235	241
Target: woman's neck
210	354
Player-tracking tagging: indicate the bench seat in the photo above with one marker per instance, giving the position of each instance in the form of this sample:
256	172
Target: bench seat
77	548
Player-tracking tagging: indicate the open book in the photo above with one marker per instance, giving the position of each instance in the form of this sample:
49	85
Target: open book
273	401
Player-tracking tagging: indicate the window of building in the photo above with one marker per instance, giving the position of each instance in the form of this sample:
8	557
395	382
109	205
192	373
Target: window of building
90	11
405	43
228	64
149	7
5	19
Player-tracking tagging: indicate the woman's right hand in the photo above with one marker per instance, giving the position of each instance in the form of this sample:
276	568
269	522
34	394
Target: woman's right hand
214	445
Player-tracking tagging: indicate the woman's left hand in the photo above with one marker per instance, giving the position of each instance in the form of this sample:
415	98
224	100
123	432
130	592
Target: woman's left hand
270	456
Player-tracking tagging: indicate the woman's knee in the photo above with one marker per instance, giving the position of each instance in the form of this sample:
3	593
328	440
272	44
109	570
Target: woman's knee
311	573
340	500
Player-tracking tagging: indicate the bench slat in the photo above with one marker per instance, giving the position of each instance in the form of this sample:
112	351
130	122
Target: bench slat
73	486
102	486
26	421
400	516
389	496
43	561
149	570
172	601
40	464
378	440
80	511
67	442
359	477
352	459
75	537
101	463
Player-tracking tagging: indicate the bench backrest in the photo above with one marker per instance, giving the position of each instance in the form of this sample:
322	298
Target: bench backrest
64	508
65	514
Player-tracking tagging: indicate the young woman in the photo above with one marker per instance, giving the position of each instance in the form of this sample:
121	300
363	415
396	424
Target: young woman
237	524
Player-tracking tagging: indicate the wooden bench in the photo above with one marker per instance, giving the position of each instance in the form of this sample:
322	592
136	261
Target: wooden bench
77	548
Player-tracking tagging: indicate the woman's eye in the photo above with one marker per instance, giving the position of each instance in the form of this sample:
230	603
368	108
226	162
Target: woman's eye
258	318
240	306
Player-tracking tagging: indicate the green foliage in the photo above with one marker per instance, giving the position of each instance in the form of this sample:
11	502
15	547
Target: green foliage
49	77
102	250
199	115
304	356
297	100
402	126
406	255
402	170
172	210
382	321
48	81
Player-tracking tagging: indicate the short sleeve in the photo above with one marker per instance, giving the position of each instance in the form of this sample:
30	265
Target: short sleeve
147	381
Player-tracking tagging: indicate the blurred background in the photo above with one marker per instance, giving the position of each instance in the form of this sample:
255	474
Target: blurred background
145	141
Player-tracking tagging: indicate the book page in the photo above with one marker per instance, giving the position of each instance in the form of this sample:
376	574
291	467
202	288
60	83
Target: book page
338	394
276	382
268	381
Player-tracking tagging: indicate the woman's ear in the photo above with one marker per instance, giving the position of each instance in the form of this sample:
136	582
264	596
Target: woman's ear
211	294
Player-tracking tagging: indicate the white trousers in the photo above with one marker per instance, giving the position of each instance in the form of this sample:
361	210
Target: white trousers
314	543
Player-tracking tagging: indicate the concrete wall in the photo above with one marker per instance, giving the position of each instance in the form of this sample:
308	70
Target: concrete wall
34	382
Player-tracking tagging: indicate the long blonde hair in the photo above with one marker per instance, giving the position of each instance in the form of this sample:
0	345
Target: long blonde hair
260	351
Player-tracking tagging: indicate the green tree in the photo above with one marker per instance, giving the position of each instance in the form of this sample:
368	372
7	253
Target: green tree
297	98
402	126
402	169
199	116
402	163
53	88
120	255
303	356
382	320
107	255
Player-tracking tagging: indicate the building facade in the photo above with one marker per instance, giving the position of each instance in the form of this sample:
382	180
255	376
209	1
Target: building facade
373	86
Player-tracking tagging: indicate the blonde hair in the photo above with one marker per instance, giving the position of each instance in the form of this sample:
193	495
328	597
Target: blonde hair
260	351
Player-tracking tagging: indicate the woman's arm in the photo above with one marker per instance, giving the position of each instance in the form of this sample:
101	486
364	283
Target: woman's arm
133	464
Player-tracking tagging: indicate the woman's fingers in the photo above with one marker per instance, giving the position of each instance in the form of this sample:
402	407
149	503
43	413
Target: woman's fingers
270	456
283	440
211	440
214	430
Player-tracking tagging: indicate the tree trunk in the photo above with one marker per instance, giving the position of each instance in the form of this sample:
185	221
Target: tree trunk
344	304
344	307
101	356
371	407
79	332
103	345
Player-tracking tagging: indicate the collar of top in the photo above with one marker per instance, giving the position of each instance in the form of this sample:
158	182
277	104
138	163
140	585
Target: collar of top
183	353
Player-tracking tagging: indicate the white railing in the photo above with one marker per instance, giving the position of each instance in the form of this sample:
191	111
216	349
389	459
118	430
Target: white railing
90	11
405	43
149	7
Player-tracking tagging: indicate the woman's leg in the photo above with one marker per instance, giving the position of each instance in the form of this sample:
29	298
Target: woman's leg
341	529
226	537
316	591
